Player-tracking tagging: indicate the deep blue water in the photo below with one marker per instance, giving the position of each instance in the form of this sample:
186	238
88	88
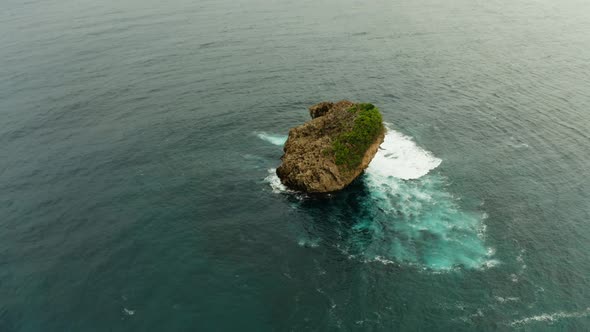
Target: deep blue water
138	138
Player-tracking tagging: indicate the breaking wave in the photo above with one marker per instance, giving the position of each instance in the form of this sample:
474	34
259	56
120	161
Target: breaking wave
275	183
400	157
400	213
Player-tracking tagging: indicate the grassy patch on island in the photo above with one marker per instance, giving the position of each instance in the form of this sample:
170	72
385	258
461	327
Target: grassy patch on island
350	147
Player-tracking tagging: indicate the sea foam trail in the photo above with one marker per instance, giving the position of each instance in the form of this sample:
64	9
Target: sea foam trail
417	222
272	138
552	317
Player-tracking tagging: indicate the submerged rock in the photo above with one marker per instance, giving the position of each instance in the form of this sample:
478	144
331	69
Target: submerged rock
328	152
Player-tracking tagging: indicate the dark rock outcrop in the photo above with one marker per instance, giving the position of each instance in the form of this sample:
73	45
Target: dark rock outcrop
320	109
315	153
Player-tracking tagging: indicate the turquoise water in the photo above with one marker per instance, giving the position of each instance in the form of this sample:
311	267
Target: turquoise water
139	138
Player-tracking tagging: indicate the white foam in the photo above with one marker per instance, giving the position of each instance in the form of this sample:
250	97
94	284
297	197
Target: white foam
309	243
506	299
275	183
491	263
128	312
552	317
400	157
381	260
272	138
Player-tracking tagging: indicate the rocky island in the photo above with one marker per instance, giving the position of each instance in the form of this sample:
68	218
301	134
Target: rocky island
328	152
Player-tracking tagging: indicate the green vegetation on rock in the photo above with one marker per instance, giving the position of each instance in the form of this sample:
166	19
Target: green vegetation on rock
350	147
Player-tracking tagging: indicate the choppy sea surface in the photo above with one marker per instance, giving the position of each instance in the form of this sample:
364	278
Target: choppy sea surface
138	142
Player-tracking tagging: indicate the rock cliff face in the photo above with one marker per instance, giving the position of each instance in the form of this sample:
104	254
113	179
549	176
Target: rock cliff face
328	152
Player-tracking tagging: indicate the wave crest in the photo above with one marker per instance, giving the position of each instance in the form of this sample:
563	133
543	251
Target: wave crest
400	157
272	138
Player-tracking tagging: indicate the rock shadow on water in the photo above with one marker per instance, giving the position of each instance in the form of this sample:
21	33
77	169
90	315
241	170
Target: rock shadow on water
333	216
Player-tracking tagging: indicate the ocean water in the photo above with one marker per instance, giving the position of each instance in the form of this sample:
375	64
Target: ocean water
139	141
